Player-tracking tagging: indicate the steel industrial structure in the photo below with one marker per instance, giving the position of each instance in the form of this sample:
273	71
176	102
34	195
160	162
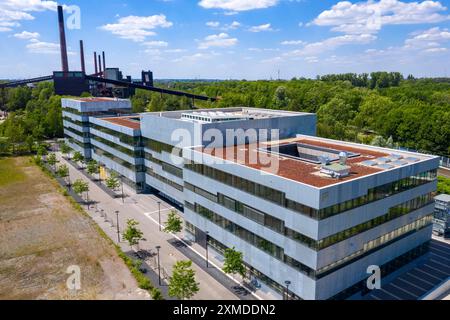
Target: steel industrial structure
76	82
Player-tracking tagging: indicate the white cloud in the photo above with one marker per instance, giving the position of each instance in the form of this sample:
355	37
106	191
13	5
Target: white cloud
36	46
155	44
260	28
27	35
312	59
292	42
430	37
330	44
13	11
213	24
370	16
218	40
174	50
436	50
137	28
263	49
232	26
237	5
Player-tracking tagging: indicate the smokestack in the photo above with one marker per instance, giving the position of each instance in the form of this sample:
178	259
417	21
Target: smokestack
95	62
83	67
62	40
100	64
100	70
104	64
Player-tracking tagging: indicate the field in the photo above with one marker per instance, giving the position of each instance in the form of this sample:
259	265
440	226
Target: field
42	234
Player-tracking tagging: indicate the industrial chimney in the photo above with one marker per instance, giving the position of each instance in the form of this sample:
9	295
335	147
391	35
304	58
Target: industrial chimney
95	62
62	40
104	64
83	67
100	65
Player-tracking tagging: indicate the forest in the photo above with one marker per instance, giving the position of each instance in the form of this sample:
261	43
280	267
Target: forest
380	108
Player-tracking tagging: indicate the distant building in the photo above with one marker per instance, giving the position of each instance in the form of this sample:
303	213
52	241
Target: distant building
441	218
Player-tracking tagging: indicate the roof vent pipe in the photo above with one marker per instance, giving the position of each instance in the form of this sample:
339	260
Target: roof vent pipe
343	158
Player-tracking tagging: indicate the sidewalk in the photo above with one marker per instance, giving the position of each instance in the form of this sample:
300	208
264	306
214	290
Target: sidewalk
144	209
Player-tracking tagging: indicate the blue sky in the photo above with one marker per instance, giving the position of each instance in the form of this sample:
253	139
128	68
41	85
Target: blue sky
239	39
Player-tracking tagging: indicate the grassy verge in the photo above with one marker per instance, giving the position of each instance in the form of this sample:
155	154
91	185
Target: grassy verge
133	265
8	173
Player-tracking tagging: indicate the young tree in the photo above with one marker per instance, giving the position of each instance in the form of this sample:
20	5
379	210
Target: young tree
234	263
80	187
65	149
78	157
132	234
93	168
41	151
4	145
112	182
63	172
52	161
174	224
182	284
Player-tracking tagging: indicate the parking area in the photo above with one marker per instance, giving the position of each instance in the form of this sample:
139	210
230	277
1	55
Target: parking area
414	284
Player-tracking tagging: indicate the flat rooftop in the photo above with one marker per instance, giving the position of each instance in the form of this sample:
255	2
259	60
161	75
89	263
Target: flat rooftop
226	114
363	160
132	122
96	99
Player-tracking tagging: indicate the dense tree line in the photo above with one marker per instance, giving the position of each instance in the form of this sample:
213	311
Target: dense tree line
34	115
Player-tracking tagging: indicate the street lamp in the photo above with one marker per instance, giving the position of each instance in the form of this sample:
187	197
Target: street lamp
159	215
117	222
159	266
287	283
207	260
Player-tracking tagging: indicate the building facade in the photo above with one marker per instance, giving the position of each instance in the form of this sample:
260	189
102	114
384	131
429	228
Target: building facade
441	219
311	211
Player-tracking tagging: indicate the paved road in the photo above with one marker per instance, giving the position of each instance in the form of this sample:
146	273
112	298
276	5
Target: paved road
144	209
444	172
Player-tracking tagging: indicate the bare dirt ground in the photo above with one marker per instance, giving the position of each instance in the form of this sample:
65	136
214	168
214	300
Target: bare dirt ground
42	234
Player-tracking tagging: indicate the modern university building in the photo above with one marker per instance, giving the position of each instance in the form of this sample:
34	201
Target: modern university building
311	211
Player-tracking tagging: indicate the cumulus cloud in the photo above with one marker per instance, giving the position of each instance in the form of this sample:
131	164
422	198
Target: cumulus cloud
237	5
218	40
260	28
156	44
27	35
433	36
370	16
36	46
137	28
292	42
13	11
213	24
315	48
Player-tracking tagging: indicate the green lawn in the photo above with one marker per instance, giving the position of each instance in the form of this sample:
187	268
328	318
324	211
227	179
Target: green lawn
10	172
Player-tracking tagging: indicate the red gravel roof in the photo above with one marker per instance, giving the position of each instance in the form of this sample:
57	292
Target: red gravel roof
298	170
125	121
95	99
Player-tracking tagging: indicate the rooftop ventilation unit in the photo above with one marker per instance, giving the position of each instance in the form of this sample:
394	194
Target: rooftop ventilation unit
343	158
335	170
